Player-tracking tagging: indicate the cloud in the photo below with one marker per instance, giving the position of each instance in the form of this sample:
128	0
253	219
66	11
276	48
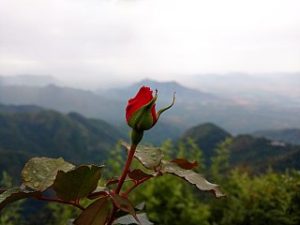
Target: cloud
76	39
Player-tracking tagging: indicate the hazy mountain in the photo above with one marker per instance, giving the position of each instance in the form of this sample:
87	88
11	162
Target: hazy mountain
243	82
19	108
28	80
165	92
192	107
39	132
207	136
63	99
233	112
271	89
260	154
49	133
252	153
291	136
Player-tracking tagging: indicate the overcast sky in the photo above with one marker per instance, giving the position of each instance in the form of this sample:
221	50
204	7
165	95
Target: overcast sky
111	41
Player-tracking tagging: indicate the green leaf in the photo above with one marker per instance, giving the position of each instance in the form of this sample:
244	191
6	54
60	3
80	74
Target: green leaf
150	157
77	183
192	177
129	219
124	204
39	173
15	194
95	214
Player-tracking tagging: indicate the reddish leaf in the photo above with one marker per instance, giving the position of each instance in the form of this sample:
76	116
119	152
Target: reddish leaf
125	205
95	214
138	175
99	192
15	194
97	195
111	182
184	164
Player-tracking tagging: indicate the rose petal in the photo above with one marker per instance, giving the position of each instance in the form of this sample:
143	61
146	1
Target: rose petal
143	97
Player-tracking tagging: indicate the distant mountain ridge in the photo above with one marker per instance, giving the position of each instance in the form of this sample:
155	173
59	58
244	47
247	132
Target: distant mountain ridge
168	87
165	90
260	154
62	99
52	134
19	108
192	106
253	153
27	131
291	136
28	80
281	89
207	136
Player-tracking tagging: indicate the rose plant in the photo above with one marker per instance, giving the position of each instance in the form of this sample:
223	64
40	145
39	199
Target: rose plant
55	180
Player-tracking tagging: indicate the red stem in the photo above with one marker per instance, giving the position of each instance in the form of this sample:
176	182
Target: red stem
137	184
112	217
126	168
43	198
122	179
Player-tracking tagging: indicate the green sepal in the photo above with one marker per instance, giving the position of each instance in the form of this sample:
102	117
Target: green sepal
166	108
136	136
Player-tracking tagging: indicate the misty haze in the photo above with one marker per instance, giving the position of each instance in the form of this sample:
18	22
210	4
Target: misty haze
68	69
239	102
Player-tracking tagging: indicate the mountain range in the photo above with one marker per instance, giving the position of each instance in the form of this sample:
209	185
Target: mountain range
24	134
28	80
291	136
40	132
235	113
264	88
256	154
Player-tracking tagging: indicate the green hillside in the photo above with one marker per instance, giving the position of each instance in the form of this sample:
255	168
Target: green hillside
251	153
207	136
25	133
49	133
19	108
258	154
291	136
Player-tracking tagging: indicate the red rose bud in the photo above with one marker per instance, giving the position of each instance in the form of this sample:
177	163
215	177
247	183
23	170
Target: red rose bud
140	112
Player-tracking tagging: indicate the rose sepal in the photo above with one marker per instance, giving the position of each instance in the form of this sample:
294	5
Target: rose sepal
166	108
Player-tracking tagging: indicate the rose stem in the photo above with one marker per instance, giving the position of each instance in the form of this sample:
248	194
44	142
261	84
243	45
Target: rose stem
43	198
122	178
126	168
137	184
